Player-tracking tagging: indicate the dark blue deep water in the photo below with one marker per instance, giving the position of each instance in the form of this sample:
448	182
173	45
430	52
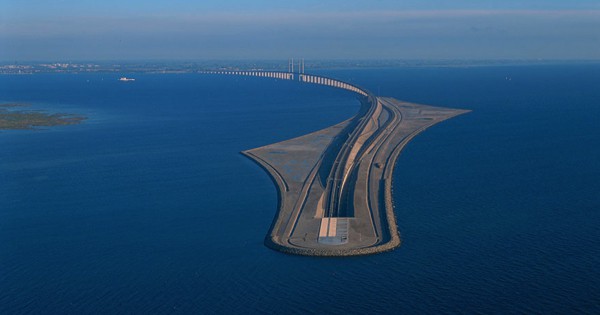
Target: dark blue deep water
147	207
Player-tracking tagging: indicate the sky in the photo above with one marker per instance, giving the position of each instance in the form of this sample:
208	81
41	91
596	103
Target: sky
71	30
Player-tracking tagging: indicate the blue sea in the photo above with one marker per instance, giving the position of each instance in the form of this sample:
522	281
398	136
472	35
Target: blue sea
148	208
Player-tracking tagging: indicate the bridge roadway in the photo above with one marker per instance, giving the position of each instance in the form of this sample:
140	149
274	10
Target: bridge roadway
351	212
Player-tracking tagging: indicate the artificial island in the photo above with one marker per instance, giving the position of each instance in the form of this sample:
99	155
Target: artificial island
335	185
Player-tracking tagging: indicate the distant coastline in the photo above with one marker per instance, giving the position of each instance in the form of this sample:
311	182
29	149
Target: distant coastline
174	67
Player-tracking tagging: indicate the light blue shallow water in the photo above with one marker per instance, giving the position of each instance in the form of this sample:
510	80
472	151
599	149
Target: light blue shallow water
148	207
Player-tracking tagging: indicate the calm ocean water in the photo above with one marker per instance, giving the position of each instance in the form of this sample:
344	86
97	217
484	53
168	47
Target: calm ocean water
148	207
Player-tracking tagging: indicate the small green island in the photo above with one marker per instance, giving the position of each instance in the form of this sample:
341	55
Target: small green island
13	117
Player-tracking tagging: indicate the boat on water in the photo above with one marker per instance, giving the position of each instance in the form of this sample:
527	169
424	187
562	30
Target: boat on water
125	79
